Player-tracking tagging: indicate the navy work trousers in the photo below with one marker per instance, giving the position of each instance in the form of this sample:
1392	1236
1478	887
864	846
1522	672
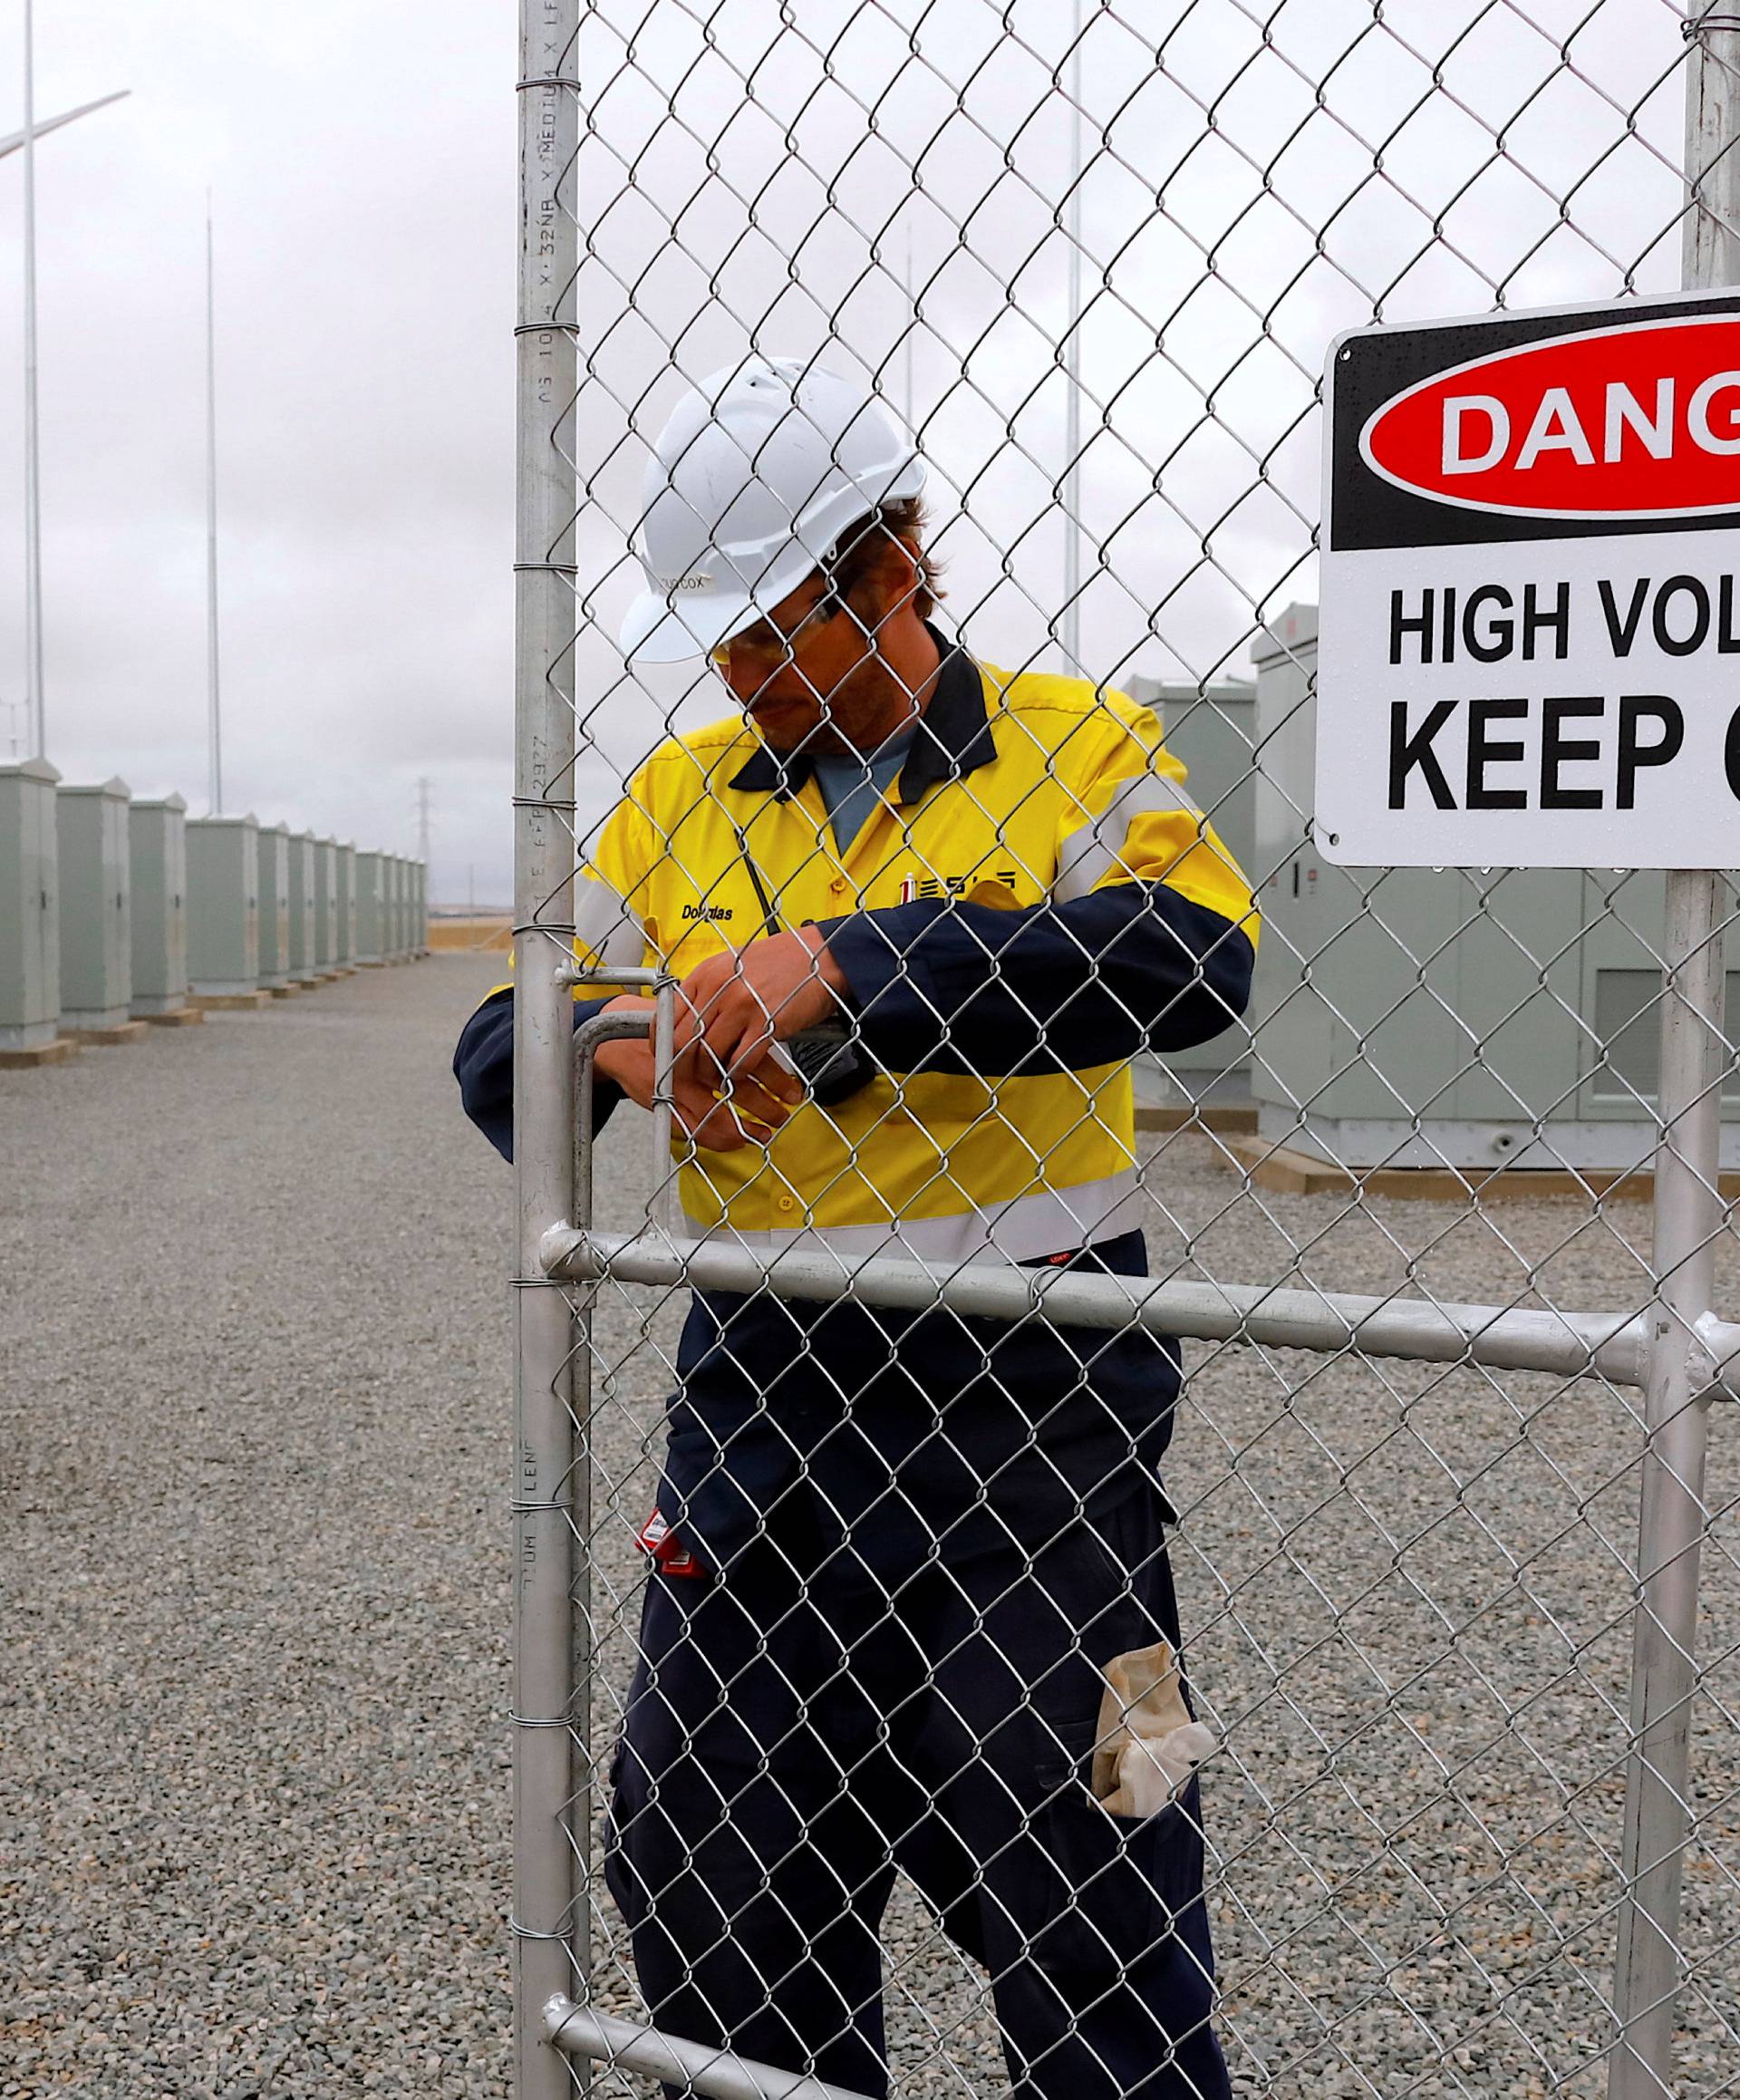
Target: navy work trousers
797	1731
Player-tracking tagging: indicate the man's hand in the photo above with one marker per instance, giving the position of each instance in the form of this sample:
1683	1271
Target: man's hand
761	1098
734	1007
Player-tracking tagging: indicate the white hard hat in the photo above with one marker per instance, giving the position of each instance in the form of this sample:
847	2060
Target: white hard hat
755	477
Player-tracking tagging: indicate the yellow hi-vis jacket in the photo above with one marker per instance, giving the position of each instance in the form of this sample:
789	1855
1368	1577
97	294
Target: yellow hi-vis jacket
1038	901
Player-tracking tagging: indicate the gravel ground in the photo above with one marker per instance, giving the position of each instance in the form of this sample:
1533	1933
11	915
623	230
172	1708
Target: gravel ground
255	1761
255	1764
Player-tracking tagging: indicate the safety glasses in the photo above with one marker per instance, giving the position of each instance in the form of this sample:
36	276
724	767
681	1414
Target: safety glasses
765	643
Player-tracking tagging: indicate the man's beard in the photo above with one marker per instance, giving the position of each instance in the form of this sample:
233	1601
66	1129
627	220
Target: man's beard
820	739
852	713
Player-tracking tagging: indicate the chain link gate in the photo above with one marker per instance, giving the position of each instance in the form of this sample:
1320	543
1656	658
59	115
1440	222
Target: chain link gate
1471	1817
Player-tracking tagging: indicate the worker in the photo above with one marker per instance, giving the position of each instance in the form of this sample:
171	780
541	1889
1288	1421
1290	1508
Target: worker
923	912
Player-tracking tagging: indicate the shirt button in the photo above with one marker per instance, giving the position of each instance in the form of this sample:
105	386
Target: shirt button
788	1203
838	885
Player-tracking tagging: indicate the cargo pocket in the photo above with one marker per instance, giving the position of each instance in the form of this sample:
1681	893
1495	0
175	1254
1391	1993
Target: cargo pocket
618	1814
1114	1886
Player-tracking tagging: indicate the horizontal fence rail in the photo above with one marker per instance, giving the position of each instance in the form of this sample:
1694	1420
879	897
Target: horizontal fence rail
1612	1346
688	2065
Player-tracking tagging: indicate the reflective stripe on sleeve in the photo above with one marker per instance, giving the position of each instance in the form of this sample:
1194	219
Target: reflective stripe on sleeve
1096	849
603	926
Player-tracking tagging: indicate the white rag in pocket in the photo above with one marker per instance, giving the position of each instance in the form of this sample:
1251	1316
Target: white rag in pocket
1148	1744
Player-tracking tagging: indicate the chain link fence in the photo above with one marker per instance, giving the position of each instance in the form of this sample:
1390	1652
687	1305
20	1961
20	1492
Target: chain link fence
836	1734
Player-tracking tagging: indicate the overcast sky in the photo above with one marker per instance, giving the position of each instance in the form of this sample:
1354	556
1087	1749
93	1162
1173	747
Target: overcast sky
363	159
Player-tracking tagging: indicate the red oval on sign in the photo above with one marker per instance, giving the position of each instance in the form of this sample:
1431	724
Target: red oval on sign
1640	420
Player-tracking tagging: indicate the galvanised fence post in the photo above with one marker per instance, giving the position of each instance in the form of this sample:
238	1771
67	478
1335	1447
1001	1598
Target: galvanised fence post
550	1932
1673	1515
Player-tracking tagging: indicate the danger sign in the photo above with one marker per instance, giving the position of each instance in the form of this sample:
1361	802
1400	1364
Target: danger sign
1529	644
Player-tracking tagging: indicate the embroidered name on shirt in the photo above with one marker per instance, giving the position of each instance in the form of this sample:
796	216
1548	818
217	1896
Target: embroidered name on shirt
712	912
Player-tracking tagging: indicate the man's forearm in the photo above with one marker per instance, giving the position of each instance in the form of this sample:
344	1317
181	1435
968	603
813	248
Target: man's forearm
944	986
483	1064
